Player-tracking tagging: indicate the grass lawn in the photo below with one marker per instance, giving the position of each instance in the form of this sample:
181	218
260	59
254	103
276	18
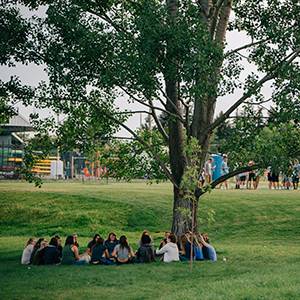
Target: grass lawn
258	232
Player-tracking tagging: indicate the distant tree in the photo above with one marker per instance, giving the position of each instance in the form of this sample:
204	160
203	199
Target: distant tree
168	56
254	137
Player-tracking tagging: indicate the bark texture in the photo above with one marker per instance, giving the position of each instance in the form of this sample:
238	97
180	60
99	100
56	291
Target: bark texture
204	108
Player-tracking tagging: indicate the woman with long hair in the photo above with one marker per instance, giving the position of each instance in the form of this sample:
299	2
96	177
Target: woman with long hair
100	254
111	243
26	255
123	252
52	255
92	243
38	257
36	247
145	233
70	253
145	253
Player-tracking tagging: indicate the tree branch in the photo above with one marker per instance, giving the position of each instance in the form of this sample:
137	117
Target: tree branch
148	147
199	192
260	102
245	47
148	105
108	20
287	60
172	104
132	112
158	124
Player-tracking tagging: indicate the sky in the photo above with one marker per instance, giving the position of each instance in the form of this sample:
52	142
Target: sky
32	74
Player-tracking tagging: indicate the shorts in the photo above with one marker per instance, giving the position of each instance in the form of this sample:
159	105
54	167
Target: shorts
252	176
275	178
295	179
243	178
269	177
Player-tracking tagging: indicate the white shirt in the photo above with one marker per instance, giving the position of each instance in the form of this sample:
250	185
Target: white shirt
170	252
27	254
208	168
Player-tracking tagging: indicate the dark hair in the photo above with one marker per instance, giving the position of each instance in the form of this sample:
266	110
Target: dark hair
57	237
38	243
100	240
95	237
145	239
172	238
111	233
123	242
53	242
69	240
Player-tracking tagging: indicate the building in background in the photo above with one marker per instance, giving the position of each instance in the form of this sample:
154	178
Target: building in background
12	144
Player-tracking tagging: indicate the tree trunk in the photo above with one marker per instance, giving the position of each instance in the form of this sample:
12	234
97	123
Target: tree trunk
181	208
202	118
176	131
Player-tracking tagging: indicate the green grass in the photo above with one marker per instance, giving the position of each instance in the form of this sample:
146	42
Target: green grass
258	232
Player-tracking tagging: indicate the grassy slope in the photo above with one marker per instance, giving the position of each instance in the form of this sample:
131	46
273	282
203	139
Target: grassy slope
258	233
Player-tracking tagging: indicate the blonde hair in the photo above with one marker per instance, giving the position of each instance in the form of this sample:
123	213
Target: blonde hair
29	242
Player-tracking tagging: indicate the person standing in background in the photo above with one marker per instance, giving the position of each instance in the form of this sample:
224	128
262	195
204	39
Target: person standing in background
224	170
208	169
296	174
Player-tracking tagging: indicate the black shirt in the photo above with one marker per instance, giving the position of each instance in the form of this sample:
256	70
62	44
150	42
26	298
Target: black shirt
97	252
111	246
51	255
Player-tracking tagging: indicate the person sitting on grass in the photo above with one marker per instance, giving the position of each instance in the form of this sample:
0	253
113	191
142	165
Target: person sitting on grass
111	243
185	247
70	253
145	233
92	243
164	240
170	250
209	252
26	255
99	253
75	237
198	248
145	253
123	252
51	253
59	246
38	258
36	247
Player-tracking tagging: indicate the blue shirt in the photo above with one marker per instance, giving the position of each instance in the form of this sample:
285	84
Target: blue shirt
212	255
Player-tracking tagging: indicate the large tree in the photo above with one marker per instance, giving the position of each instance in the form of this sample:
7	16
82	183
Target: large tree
168	56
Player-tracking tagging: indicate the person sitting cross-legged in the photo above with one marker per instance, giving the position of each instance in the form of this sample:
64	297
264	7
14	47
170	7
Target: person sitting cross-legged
185	247
38	257
170	250
111	243
92	243
209	252
27	252
123	252
100	254
145	253
51	253
70	253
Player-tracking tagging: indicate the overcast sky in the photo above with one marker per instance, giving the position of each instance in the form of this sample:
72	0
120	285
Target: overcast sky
32	74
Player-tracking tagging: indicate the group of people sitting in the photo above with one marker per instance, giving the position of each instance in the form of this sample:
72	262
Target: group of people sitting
117	251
